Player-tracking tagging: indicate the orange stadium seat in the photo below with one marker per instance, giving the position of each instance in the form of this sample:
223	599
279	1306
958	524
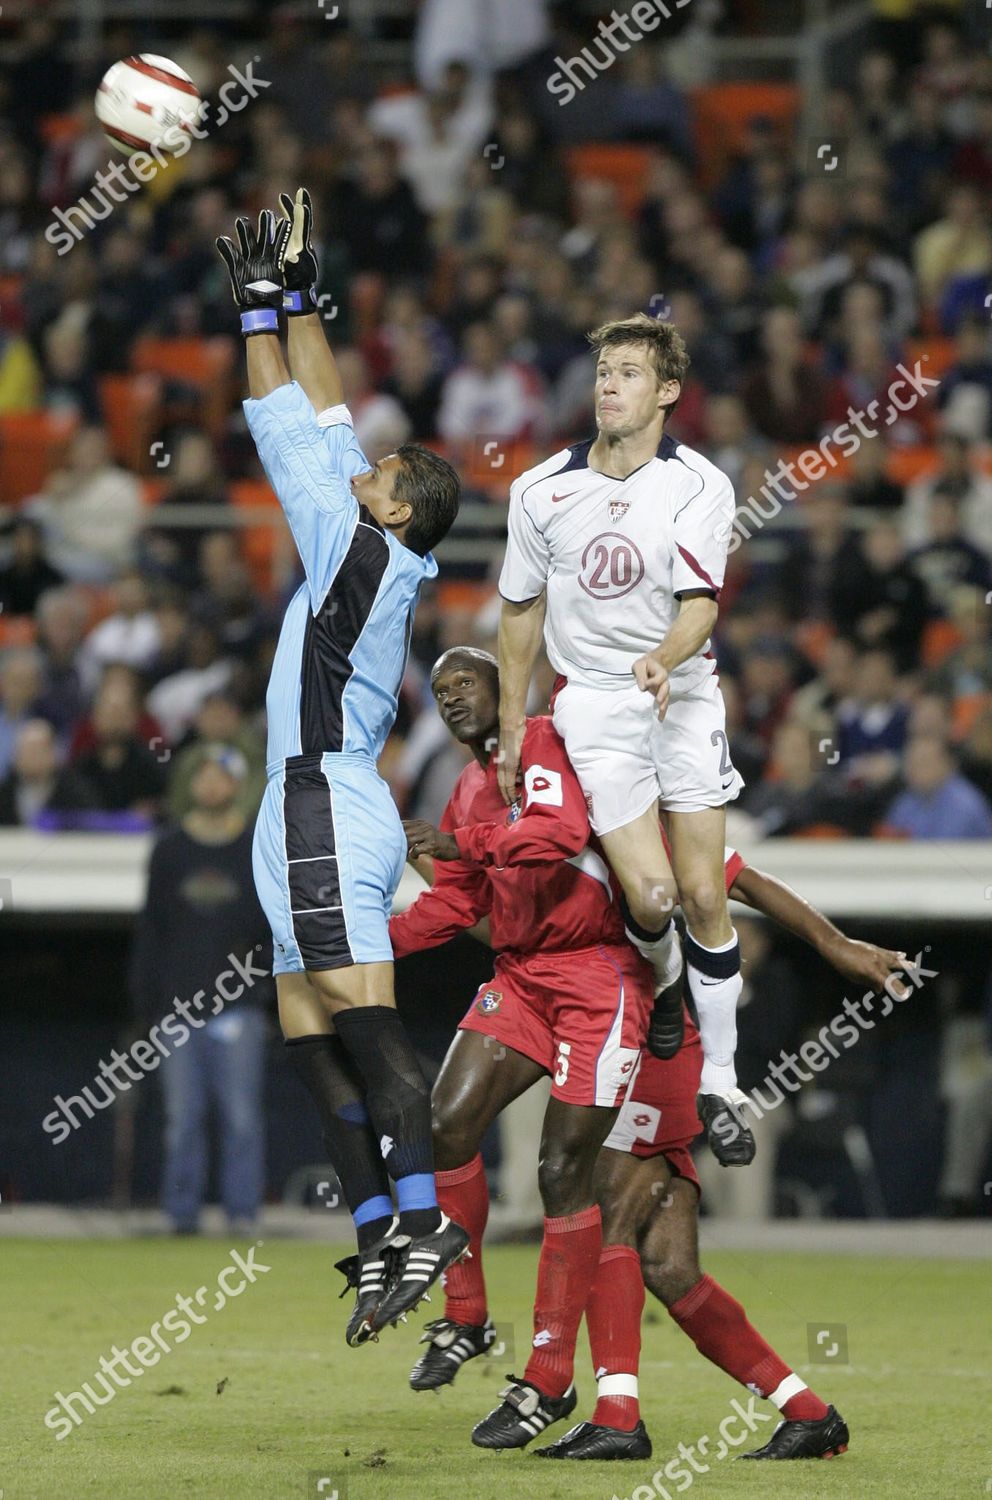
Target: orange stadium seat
936	355
17	630
258	540
131	408
204	367
907	464
32	444
723	111
626	167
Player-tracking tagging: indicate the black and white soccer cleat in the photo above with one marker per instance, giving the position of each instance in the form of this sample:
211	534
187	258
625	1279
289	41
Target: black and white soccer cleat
727	1132
367	1272
417	1263
449	1346
592	1440
524	1414
822	1439
666	1026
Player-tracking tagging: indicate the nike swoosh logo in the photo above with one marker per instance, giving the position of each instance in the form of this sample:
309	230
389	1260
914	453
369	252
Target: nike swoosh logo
724	784
710	982
557	499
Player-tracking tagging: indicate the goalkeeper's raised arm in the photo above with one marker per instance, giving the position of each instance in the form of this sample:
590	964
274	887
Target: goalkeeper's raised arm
311	362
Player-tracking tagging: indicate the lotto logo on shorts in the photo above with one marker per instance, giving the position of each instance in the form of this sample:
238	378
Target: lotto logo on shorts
490	1002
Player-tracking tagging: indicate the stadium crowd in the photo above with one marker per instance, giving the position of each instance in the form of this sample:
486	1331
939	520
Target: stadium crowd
466	251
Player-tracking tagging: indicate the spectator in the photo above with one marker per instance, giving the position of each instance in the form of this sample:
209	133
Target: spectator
821	560
966	672
20	690
870	487
378	218
416	384
176	700
91	511
125	774
959	244
61	617
865	260
381	424
36	783
193	478
960	476
28	574
20	377
884	604
872	723
965	395
938	802
948	560
220	720
437	133
976	752
785	393
486	396
129	635
798	791
201	927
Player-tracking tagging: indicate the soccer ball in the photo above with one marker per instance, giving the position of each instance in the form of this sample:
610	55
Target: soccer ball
148	101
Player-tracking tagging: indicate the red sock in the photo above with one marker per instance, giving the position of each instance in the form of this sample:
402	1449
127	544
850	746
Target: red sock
613	1318
565	1273
719	1328
463	1194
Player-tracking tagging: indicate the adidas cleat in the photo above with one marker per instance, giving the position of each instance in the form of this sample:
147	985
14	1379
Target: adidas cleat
666	1026
524	1414
367	1272
417	1263
590	1440
449	1346
727	1132
823	1439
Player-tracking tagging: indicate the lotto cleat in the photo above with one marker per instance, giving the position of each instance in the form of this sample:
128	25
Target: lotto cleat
449	1346
524	1414
727	1132
667	1024
367	1272
417	1263
822	1439
590	1440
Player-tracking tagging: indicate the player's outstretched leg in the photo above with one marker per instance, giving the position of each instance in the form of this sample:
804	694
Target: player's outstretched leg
351	1145
720	1330
477	1080
570	1250
629	1190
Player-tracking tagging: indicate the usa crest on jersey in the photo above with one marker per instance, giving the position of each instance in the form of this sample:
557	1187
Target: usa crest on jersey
618	509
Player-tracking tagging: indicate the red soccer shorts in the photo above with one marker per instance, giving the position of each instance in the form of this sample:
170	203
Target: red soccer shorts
582	1014
659	1117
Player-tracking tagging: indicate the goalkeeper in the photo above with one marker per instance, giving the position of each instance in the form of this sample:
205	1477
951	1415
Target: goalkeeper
329	847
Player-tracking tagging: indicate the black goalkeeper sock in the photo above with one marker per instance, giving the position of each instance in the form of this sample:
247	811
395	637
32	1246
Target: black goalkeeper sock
399	1105
351	1143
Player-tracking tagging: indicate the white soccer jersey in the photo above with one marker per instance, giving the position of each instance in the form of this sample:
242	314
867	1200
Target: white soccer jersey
615	555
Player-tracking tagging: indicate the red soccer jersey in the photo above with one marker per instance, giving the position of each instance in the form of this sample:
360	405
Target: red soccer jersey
542	886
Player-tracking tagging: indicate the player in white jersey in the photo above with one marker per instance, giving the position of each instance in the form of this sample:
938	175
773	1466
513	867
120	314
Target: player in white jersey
616	551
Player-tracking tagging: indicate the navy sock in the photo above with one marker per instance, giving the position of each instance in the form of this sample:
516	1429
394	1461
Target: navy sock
399	1105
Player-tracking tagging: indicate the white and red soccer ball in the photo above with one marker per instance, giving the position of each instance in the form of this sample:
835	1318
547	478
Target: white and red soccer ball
147	101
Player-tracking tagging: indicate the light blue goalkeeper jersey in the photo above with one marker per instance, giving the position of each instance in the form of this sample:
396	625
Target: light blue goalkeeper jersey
345	638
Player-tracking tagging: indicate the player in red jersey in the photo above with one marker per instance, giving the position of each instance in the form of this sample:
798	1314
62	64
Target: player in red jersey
569	997
478	1080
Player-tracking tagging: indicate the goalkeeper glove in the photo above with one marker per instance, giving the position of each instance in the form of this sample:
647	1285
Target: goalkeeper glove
297	260
253	266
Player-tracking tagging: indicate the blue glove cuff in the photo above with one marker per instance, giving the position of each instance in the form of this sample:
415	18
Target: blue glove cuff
295	303
259	320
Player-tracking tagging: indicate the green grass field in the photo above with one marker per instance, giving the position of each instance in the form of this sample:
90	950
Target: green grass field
265	1400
